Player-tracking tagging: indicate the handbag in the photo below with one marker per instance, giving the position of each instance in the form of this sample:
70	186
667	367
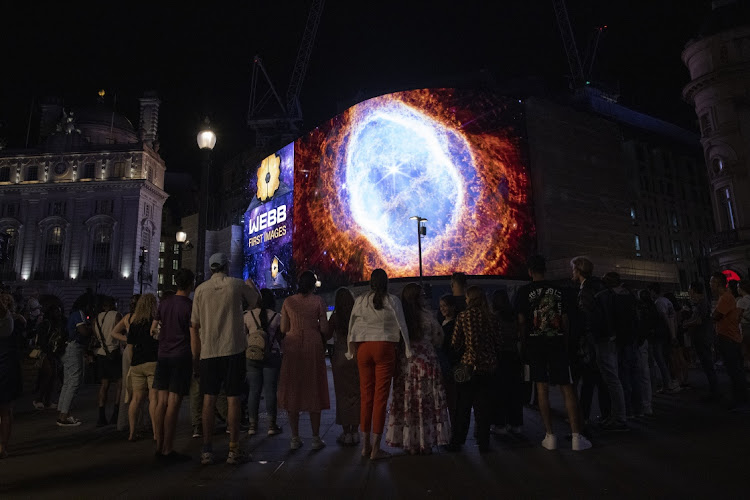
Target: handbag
462	373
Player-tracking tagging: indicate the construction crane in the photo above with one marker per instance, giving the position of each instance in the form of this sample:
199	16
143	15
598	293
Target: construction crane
580	75
286	122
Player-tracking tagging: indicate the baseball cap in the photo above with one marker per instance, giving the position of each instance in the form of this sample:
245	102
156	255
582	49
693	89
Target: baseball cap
218	260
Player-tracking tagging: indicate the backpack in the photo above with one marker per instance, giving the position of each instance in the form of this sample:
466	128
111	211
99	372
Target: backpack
258	344
57	341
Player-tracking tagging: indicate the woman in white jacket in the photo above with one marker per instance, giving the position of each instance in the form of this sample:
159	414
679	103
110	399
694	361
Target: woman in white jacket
376	326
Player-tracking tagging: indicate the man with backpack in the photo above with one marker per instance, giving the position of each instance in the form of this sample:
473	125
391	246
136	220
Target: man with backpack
174	366
616	313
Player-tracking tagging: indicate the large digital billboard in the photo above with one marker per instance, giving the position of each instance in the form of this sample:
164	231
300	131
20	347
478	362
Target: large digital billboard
268	221
455	157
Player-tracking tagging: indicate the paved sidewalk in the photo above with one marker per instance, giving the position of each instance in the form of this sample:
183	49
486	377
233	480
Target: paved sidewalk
688	451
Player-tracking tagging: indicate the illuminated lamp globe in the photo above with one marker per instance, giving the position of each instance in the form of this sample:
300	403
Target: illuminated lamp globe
206	137
181	236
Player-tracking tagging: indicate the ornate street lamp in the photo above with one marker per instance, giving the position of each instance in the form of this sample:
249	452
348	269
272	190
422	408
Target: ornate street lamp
181	238
206	143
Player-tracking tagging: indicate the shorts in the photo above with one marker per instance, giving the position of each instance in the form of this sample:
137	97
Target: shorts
549	362
109	368
226	371
174	375
142	376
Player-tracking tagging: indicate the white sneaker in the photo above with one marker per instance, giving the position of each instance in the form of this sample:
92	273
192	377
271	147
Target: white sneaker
580	442
295	443
317	443
550	442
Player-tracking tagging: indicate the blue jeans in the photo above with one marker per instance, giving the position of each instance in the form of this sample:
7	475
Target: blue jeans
644	378
72	360
263	375
606	359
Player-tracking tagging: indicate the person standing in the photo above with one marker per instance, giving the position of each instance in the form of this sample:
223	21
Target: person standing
174	365
543	321
263	375
615	342
304	378
120	332
79	332
218	340
52	324
743	304
11	378
700	332
145	349
108	359
508	412
583	352
376	325
729	339
445	353
419	412
345	372
665	335
477	341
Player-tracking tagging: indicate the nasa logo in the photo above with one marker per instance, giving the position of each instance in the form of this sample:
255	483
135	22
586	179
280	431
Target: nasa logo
268	219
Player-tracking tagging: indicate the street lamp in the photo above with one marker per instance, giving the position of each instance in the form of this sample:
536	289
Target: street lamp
181	238
206	142
421	231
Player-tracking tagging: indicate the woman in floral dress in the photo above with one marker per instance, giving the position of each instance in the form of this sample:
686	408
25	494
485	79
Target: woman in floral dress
419	411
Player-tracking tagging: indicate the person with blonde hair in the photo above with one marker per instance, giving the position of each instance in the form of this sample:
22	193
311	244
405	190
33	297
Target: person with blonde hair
143	364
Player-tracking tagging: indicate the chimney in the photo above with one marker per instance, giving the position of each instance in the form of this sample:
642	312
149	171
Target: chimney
51	112
149	122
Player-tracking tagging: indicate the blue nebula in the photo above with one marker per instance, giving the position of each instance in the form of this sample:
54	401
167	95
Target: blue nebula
398	163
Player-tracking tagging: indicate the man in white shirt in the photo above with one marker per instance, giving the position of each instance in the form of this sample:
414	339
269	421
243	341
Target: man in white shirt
218	345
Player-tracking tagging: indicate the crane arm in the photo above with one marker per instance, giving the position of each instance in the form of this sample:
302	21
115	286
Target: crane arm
303	58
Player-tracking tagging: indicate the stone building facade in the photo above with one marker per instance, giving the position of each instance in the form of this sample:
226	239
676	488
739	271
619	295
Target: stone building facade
719	64
83	208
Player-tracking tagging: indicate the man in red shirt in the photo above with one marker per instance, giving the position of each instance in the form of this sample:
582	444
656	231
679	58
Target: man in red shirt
729	339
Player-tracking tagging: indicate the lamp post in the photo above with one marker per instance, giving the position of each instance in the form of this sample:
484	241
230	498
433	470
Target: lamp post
206	143
421	231
180	237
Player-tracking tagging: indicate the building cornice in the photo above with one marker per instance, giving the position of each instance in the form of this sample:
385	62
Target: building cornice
710	79
97	185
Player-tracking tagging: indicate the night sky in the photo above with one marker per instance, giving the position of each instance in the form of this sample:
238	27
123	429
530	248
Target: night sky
199	58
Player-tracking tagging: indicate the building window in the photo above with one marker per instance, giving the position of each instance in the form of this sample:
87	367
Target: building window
119	170
89	171
175	265
147	210
161	246
176	248
4	174
100	253
146	243
10	210
32	173
161	262
677	250
57	208
103	207
637	246
53	250
706	127
174	282
161	279
10	253
632	214
726	200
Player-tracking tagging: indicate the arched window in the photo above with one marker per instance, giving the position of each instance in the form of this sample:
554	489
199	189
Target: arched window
7	270
53	252
101	249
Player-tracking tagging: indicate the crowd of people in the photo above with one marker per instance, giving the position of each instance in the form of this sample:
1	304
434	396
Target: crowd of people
228	347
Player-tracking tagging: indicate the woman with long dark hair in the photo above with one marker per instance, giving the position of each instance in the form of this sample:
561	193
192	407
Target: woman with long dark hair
478	342
304	381
376	325
345	372
508	410
263	375
53	322
419	412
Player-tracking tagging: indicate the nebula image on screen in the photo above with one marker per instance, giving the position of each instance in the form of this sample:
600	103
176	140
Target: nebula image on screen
454	157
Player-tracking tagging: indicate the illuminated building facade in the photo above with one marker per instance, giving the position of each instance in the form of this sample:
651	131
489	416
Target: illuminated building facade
83	207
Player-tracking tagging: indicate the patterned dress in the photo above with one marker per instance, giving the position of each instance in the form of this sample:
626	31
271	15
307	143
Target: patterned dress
303	382
419	411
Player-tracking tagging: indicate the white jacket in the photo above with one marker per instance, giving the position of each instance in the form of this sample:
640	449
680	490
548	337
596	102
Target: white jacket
368	324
